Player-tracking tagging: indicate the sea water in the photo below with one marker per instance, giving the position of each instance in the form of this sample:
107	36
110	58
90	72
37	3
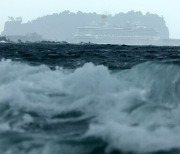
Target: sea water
89	99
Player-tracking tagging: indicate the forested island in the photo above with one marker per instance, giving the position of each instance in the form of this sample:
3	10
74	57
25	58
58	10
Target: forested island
62	26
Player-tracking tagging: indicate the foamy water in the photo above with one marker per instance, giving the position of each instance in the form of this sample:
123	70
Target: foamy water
58	111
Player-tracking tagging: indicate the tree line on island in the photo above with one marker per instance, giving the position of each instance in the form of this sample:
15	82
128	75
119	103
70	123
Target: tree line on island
62	26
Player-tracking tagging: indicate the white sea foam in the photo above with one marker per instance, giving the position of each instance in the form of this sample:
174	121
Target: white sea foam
134	110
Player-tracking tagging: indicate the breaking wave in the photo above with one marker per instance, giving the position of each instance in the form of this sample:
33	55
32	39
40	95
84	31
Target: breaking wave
65	111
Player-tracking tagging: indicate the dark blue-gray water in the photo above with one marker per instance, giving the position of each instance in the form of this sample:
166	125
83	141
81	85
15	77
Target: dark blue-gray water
89	99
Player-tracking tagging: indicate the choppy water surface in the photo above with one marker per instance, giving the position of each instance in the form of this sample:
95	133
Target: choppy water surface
89	99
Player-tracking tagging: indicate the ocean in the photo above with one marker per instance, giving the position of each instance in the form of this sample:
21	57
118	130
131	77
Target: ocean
89	99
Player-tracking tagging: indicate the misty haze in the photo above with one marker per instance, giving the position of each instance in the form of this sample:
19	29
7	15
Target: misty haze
123	28
87	81
131	28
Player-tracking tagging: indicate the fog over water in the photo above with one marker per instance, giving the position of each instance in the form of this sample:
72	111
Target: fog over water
90	80
30	10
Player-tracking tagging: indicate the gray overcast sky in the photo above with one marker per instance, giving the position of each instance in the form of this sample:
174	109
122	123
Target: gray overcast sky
31	9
